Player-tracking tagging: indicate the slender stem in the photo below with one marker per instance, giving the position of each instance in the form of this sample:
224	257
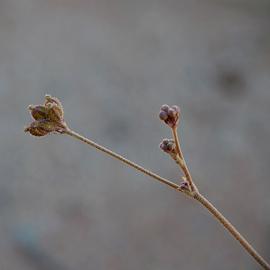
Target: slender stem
177	142
195	194
122	159
200	198
181	161
211	208
38	129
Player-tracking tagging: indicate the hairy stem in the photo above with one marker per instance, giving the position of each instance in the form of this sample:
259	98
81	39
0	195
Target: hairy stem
211	208
194	193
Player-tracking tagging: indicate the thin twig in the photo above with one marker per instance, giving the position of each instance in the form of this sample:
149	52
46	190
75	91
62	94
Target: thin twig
196	195
211	208
236	234
49	118
122	159
181	161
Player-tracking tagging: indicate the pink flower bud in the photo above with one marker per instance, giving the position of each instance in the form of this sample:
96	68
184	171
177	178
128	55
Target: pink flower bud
168	146
165	108
170	115
163	115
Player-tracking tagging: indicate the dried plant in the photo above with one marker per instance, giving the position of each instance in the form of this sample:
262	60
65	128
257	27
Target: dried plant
49	118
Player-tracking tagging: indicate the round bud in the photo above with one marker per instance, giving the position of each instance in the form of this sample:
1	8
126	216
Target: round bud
172	112
163	115
170	115
162	146
176	108
170	146
167	145
165	108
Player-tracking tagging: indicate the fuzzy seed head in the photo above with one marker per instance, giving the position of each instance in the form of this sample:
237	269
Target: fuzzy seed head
49	117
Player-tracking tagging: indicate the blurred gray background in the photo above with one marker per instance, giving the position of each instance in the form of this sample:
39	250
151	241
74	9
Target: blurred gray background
63	205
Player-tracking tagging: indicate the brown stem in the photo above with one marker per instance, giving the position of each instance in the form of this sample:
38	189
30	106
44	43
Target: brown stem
122	159
211	208
200	198
181	161
195	194
54	116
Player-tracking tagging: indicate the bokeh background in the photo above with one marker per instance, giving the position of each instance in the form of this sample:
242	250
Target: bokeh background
113	63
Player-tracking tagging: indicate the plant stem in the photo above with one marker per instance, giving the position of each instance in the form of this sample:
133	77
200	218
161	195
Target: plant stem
181	161
122	159
177	142
211	208
194	193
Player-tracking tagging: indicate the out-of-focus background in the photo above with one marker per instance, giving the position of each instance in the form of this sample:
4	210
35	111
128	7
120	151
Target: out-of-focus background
113	63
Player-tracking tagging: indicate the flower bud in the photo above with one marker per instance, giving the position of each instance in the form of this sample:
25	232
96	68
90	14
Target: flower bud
163	115
170	115
171	112
168	146
165	108
176	108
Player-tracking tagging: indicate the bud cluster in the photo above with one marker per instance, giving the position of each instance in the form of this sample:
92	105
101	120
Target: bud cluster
48	117
170	115
168	146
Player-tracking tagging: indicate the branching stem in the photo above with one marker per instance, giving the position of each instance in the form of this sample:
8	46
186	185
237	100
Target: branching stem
181	161
194	194
122	159
49	118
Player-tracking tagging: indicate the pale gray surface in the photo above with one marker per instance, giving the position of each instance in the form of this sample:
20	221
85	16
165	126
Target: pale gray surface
113	63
